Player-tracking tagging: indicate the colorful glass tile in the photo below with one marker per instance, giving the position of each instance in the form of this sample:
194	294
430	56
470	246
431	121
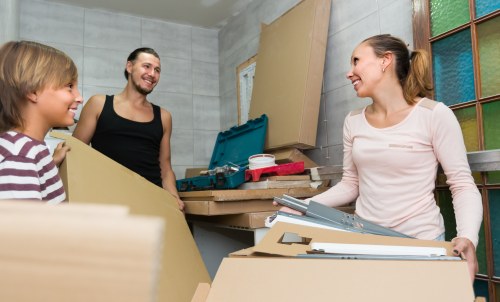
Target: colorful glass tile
494	205
489	56
446	207
484	7
491	128
453	69
468	123
481	289
448	14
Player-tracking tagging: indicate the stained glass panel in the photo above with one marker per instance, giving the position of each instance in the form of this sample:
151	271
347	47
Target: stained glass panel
489	56
491	125
494	204
484	7
453	69
448	14
468	122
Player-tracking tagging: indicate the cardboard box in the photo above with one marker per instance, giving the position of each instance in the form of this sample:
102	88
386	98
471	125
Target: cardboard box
291	155
270	271
73	252
91	177
289	74
297	280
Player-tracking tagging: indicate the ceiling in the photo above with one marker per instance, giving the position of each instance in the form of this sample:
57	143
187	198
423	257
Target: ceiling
201	13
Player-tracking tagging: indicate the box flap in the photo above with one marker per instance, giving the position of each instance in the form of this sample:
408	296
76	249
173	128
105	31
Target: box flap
272	242
91	177
290	280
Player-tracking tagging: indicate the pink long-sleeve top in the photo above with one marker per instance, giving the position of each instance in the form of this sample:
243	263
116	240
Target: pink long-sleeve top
391	173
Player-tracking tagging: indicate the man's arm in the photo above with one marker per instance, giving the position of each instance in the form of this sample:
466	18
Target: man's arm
167	174
87	123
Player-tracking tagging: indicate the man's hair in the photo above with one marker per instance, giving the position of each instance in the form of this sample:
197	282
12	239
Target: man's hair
134	54
27	67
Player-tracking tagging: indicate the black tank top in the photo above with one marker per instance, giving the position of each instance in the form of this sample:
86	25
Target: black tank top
136	145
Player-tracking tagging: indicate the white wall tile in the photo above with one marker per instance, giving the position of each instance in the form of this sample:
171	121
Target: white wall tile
51	22
104	67
112	31
339	49
206	112
204	142
345	13
181	146
176	76
179	105
168	39
205	45
393	15
205	78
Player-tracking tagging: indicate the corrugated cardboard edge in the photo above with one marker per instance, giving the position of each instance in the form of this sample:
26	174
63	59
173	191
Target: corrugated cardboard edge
183	267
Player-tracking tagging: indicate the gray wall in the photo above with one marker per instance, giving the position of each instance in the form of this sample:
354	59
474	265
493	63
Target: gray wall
350	22
198	82
99	43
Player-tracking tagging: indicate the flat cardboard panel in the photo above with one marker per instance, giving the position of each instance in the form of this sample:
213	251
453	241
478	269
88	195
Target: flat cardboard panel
239	195
246	220
289	74
285	279
209	208
91	177
77	253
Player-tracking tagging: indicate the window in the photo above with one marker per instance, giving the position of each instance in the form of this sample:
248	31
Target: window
463	38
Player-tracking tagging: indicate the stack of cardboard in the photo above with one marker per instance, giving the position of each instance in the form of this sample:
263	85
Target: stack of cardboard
77	253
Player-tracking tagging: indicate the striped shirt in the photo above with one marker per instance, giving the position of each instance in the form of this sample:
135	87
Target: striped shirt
27	170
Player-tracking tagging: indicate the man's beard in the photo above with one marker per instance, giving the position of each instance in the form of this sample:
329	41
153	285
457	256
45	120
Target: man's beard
142	90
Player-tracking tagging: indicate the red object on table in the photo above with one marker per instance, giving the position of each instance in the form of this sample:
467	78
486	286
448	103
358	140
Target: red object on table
280	170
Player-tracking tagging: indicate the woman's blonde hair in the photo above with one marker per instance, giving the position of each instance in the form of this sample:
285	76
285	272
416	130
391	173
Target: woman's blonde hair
27	67
412	68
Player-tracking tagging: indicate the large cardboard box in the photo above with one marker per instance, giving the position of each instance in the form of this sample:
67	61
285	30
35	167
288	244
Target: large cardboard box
91	177
73	252
271	271
289	74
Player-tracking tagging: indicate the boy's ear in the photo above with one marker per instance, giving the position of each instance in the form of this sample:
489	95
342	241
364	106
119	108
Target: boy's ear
33	97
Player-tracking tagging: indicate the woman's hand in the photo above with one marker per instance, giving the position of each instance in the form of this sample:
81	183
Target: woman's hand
464	248
60	153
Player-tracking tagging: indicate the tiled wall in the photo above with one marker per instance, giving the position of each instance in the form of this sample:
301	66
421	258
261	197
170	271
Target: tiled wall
99	43
350	23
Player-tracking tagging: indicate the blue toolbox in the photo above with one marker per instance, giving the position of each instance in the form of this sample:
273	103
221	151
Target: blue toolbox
230	157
